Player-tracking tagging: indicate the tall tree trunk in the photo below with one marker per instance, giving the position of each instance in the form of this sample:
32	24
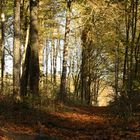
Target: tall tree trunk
69	74
47	57
63	85
41	51
116	68
137	56
88	76
54	62
34	58
126	59
25	66
83	80
134	11
85	67
25	73
16	49
2	43
60	61
2	56
116	64
26	54
51	58
41	64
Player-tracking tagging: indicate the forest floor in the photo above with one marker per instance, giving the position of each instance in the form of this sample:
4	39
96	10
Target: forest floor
68	122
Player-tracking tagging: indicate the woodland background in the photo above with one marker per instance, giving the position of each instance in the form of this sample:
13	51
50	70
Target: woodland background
61	54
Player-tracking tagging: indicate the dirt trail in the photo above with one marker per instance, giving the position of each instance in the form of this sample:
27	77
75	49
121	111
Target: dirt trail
73	123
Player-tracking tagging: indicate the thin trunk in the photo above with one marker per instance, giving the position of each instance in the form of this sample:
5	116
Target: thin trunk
56	56
116	69
41	48
83	75
88	93
69	75
54	62
51	59
126	61
2	44
60	62
16	49
65	55
133	28
41	64
137	56
47	57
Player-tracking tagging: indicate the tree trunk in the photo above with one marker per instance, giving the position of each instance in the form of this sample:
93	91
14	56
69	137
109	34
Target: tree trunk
41	51
34	58
116	68
83	80
25	73
63	85
41	64
126	60
54	62
134	15
25	66
26	55
16	49
51	59
137	58
2	43
47	57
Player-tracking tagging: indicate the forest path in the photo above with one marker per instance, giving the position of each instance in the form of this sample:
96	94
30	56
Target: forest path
69	123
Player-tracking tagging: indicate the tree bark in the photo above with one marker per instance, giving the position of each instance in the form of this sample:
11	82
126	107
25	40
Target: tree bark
47	57
34	58
16	49
26	54
55	60
63	84
51	58
25	73
2	44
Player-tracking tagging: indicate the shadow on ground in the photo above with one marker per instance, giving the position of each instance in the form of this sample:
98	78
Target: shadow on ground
21	121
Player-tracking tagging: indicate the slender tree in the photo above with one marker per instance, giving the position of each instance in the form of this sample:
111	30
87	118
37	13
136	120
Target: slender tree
16	49
47	57
55	55
2	43
63	85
